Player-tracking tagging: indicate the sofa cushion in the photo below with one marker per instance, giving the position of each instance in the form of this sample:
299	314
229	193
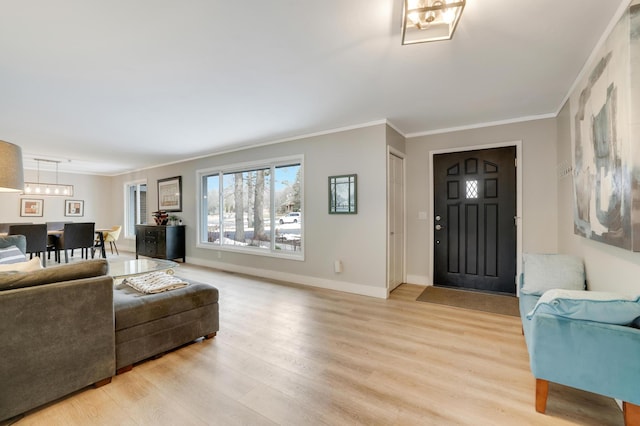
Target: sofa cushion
11	254
544	272
28	266
132	307
598	306
67	272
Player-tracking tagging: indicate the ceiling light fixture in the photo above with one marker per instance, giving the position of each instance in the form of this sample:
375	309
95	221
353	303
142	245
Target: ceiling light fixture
37	188
11	171
430	20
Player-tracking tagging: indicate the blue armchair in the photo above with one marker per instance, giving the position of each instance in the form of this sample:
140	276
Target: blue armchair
576	341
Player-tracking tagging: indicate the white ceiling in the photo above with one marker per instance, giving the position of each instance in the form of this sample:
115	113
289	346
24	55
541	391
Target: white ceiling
120	85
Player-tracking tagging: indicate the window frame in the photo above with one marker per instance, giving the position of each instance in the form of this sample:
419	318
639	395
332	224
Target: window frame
128	232
201	206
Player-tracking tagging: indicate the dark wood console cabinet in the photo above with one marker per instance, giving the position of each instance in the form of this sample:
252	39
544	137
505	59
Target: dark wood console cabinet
163	242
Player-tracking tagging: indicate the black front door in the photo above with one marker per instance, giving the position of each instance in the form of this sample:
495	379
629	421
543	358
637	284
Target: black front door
474	219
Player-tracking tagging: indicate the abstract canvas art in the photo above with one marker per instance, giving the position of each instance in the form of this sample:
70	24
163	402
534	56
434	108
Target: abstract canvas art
605	116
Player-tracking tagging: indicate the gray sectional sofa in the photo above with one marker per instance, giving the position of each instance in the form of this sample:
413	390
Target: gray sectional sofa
67	327
56	329
150	324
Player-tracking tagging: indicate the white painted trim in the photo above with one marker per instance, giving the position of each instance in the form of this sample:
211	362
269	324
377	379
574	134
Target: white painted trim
393	151
343	286
419	279
394	127
518	145
258	145
482	125
126	205
519	212
344	129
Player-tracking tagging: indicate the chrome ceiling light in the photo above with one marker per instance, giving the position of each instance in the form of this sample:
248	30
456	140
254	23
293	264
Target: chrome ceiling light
37	188
430	20
11	171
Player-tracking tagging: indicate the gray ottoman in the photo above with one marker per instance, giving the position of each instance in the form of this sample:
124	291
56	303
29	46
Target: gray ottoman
151	324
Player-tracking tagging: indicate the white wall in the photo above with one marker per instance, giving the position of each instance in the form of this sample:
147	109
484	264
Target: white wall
358	240
539	203
94	190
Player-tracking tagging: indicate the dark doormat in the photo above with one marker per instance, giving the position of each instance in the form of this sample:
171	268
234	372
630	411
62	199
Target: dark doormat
494	303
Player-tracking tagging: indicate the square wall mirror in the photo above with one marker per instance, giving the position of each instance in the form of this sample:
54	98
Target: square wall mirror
343	194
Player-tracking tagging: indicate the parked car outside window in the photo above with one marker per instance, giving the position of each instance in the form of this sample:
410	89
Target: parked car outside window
292	217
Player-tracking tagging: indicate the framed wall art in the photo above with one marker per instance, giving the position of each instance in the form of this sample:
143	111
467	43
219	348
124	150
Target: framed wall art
170	194
343	194
605	136
74	207
30	207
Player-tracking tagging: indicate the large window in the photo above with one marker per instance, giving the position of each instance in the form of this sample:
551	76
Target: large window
255	208
135	206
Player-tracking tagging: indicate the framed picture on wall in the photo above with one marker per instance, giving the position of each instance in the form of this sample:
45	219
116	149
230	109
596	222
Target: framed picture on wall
74	207
30	207
343	194
170	194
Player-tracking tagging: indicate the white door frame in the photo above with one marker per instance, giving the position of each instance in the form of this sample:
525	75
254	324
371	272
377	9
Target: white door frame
402	156
518	145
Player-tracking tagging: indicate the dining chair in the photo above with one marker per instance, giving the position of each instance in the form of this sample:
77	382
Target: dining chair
4	227
53	238
112	236
77	235
36	235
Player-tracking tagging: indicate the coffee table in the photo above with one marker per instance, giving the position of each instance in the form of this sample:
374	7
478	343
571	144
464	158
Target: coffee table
127	268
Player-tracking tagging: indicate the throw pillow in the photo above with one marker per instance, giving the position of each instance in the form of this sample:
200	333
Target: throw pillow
11	254
544	272
29	266
598	306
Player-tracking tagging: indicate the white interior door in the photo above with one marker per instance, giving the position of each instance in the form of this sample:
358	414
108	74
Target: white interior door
395	210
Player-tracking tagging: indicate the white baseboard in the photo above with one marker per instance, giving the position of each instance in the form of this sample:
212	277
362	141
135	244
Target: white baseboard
363	290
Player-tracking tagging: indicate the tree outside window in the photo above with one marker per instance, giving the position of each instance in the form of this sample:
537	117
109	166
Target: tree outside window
243	208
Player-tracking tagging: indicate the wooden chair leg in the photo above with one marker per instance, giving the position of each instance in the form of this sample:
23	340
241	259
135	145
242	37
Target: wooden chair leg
542	391
631	414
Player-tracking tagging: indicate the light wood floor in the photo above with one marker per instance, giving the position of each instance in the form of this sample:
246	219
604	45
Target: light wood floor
292	355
